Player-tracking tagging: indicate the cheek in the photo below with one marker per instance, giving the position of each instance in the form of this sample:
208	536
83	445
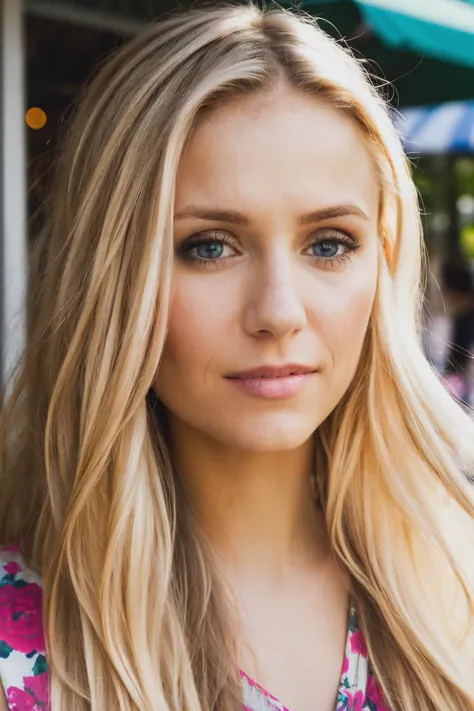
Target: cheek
345	321
198	325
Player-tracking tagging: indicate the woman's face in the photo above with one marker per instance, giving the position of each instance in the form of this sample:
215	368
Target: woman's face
275	271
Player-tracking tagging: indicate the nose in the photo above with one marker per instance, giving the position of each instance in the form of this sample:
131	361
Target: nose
274	306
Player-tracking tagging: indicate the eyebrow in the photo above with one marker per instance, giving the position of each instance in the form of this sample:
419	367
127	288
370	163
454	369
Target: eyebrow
239	218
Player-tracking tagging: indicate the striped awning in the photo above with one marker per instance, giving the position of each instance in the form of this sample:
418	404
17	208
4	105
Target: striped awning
448	128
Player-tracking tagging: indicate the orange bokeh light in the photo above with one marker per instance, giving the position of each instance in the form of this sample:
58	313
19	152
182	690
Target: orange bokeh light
36	118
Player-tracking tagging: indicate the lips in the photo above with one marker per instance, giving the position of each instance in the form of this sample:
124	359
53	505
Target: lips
274	371
273	382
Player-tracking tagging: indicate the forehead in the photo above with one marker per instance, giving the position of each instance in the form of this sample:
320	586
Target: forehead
281	147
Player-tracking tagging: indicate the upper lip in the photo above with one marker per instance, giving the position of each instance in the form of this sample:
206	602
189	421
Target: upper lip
274	371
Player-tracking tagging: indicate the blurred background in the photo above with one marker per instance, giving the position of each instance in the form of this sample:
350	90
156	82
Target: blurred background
419	52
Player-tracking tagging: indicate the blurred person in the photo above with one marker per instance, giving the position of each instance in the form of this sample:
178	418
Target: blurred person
435	322
230	477
459	301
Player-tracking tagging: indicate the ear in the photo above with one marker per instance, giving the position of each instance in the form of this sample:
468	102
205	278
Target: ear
387	248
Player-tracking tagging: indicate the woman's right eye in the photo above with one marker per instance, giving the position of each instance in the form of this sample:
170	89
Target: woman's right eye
210	250
200	248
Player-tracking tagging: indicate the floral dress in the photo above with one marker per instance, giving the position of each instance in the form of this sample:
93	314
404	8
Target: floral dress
23	667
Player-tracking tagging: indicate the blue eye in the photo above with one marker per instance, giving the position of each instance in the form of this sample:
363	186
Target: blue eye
210	250
327	249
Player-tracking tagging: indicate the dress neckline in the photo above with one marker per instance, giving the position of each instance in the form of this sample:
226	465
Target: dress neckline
256	697
357	688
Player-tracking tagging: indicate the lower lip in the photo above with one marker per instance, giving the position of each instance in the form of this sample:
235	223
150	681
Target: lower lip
272	388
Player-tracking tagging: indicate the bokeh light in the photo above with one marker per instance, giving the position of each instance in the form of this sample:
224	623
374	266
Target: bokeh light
36	118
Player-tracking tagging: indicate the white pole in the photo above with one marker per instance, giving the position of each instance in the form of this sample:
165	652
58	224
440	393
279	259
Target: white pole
13	184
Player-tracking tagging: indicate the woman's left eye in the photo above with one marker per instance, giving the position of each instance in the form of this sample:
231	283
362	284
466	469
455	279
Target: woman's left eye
332	248
328	249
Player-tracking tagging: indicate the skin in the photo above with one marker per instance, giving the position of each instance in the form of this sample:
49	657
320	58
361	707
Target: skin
270	297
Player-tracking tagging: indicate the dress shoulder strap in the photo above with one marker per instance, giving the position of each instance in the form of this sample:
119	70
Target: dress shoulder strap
23	669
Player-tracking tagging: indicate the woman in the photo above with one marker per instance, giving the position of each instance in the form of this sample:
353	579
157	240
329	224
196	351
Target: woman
458	372
228	466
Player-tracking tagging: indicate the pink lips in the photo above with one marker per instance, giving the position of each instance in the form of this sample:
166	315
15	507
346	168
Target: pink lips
273	381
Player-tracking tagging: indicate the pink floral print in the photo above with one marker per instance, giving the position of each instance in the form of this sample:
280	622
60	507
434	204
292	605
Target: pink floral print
33	697
12	568
374	696
358	645
23	669
20	614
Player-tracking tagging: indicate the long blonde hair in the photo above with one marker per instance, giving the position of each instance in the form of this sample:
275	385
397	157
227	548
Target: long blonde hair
87	481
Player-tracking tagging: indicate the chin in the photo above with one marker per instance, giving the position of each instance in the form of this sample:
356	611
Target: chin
271	433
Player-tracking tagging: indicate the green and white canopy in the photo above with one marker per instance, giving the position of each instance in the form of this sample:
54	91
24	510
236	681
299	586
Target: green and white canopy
424	47
438	28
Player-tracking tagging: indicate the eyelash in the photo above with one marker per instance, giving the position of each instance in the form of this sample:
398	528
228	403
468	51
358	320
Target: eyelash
212	236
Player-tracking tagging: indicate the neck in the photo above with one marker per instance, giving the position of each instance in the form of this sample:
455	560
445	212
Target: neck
257	509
